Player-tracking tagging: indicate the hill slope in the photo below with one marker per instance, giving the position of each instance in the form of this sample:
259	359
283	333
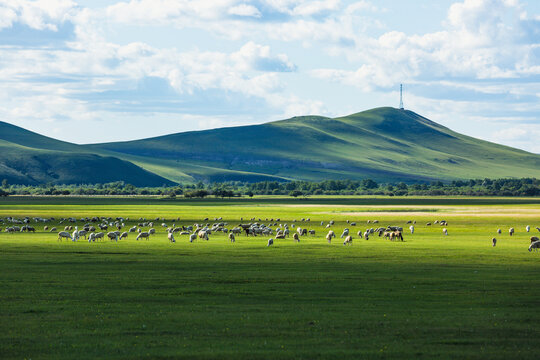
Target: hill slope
30	158
384	144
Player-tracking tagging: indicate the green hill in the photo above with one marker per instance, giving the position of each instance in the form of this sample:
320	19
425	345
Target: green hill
384	144
30	158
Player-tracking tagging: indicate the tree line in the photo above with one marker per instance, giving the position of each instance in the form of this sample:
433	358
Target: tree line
473	187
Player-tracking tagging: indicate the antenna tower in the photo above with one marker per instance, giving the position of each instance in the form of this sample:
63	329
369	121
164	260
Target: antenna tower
401	97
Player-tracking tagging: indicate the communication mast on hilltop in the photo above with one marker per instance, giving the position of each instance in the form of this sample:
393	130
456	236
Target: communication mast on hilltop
401	97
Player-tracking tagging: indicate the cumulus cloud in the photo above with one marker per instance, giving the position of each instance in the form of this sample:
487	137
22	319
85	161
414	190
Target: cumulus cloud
245	10
39	15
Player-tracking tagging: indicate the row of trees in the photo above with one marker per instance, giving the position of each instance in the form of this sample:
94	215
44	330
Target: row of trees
473	187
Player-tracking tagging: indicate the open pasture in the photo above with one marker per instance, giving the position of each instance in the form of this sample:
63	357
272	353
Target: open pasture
430	296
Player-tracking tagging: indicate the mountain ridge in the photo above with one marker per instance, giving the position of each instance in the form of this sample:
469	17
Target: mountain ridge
384	144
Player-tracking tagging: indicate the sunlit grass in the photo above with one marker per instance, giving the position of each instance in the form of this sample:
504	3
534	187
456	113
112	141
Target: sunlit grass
431	296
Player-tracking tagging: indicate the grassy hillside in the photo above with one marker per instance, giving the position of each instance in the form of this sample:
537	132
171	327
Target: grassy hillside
29	158
384	144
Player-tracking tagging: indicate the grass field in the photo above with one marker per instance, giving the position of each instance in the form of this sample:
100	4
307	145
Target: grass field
431	296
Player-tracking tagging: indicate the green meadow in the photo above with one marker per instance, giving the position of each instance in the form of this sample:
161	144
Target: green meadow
430	296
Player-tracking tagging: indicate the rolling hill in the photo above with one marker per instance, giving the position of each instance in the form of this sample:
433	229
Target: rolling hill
32	159
384	144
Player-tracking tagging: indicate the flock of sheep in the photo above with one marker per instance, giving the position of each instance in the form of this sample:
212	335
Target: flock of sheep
112	229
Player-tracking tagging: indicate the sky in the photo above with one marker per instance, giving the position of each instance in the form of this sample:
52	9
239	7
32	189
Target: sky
97	71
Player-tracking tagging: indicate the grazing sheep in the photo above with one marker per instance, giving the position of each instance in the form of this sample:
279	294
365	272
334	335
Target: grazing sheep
231	237
348	240
535	245
499	231
360	233
123	235
170	236
53	229
329	236
133	229
270	242
202	234
534	239
64	234
494	241
112	236
396	235
192	237
366	235
142	235
152	231
311	232
75	235
412	229
528	228
45	228
345	233
445	232
511	231
99	235
280	235
82	233
296	237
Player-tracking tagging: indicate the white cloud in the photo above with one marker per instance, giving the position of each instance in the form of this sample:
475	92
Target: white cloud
245	10
39	15
309	8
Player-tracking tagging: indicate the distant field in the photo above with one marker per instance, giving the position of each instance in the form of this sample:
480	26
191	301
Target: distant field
431	296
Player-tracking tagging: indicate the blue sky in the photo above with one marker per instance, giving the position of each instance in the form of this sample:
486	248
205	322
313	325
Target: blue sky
95	71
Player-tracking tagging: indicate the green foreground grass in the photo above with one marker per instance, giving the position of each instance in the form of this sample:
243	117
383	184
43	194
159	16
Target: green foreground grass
431	296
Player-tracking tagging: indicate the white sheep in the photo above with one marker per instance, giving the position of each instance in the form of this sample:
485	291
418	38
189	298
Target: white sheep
345	233
64	234
348	240
192	237
75	235
330	235
170	236
203	234
499	231
535	245
511	231
412	229
123	235
231	237
141	235
270	242
494	242
528	228
112	235
445	232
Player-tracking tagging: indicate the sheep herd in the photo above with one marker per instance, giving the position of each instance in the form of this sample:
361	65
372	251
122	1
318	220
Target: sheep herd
112	228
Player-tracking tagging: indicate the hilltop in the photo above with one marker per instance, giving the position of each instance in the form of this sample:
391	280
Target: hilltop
384	144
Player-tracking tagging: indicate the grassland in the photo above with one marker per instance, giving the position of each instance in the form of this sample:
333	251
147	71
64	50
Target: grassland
431	296
382	144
